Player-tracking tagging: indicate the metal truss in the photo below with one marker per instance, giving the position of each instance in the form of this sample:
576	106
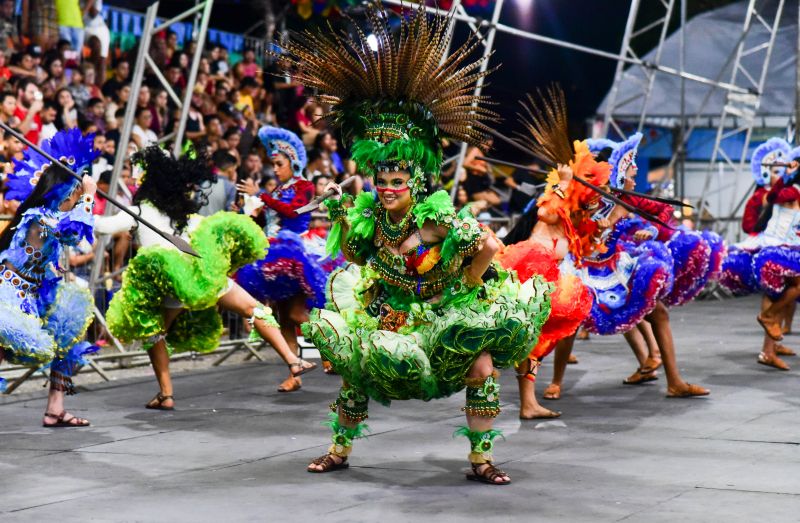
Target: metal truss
739	112
649	69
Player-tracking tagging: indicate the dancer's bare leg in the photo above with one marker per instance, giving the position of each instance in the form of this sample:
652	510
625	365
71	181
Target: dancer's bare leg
788	317
560	359
637	344
159	359
529	407
653	352
676	386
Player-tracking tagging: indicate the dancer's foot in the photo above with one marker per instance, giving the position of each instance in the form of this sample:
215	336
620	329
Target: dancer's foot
328	463
639	377
771	326
783	350
488	473
651	365
686	390
583	334
772	361
300	367
537	412
552	392
290	384
65	419
572	360
161	402
327	368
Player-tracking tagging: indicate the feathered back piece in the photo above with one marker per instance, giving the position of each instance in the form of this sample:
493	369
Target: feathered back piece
69	146
395	96
547	126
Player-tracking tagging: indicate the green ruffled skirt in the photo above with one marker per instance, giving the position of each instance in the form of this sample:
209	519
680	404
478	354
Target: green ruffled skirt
431	355
225	241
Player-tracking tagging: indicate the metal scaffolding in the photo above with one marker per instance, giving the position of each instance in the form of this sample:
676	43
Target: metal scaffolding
739	112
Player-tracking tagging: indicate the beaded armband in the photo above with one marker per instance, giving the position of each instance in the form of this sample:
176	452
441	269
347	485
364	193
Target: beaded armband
336	208
483	396
481	443
352	404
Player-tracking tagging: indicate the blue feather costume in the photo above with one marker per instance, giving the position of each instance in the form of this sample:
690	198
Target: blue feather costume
42	317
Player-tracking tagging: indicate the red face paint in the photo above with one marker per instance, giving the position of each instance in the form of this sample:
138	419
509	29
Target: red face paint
393	191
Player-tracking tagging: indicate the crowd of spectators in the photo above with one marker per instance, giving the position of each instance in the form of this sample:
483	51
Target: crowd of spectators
57	71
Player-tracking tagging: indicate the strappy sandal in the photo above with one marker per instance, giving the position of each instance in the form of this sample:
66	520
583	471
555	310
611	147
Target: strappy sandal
639	377
689	392
290	384
157	403
328	464
783	350
301	364
489	474
651	365
61	422
327	368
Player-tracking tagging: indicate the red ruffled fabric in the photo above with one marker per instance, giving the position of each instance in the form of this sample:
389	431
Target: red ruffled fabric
571	302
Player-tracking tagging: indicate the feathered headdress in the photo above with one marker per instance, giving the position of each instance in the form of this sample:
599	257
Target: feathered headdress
547	138
395	96
623	155
772	151
68	146
278	140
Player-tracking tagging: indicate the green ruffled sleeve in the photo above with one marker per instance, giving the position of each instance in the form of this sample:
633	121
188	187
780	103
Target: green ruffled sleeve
437	207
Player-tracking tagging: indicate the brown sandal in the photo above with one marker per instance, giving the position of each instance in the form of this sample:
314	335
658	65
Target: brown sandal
157	403
300	364
771	327
328	464
689	392
651	365
489	474
639	377
773	361
74	421
783	350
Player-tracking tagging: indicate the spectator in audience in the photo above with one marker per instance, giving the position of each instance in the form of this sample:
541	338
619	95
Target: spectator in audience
232	138
141	133
96	30
55	77
49	115
119	78
221	91
213	131
222	194
95	112
172	43
479	177
80	92
70	22
12	149
246	90
40	22
114	133
5	72
144	101
195	127
22	65
175	78
8	106
9	35
253	168
90	80
118	101
320	181
249	65
326	143
161	112
67	117
318	164
29	105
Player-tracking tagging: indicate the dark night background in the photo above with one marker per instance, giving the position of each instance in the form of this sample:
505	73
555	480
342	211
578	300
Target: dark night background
526	65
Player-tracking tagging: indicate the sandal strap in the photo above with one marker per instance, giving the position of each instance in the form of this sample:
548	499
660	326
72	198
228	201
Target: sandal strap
298	363
491	472
327	462
58	417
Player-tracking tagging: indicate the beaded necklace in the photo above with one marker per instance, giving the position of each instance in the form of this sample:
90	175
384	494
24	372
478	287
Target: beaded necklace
394	234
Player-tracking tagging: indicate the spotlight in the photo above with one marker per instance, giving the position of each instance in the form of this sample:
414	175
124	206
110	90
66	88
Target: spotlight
372	42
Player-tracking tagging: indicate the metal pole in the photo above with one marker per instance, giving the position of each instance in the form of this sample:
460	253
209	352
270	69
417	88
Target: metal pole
681	152
187	96
623	53
487	52
125	132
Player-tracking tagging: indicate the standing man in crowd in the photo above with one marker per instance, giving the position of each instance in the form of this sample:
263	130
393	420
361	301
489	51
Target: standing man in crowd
29	105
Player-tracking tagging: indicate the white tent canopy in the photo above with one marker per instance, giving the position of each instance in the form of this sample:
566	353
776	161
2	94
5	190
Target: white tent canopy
710	39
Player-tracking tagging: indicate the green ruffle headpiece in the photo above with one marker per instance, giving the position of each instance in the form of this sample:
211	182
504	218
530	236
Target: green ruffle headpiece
396	95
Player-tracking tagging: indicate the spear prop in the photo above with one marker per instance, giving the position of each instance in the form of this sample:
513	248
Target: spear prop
644	214
669	201
177	241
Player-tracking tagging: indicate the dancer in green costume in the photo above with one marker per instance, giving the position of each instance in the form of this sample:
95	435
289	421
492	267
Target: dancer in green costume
169	298
422	312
